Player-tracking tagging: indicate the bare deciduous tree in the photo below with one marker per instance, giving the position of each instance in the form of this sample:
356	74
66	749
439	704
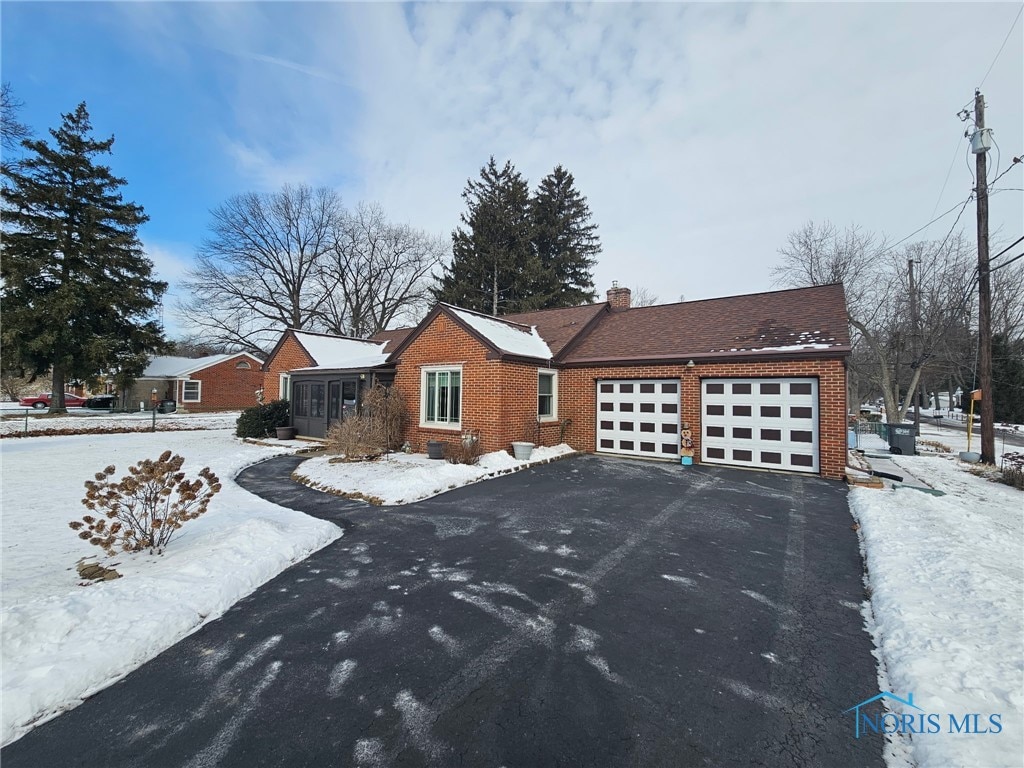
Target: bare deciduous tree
257	272
642	297
891	349
12	131
376	272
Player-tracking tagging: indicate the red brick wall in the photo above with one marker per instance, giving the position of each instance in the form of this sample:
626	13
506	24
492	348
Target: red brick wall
578	399
224	386
289	356
498	398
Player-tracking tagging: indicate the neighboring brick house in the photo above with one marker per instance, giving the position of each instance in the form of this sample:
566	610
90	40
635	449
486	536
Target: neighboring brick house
213	383
758	379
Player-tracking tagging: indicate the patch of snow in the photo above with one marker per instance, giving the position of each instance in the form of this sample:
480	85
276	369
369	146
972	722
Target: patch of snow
138	421
679	579
339	352
947	586
63	642
405	478
583	640
369	753
446	641
598	663
339	676
512	338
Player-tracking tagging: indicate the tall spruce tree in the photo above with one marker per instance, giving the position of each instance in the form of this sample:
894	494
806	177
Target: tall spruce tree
565	241
494	268
78	291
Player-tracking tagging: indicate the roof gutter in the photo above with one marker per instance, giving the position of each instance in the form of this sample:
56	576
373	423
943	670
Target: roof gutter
757	356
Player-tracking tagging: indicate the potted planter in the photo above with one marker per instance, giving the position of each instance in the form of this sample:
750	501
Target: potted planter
435	449
522	451
286	433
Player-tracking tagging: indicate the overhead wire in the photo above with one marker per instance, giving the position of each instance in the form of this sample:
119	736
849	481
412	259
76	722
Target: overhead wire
937	218
1005	40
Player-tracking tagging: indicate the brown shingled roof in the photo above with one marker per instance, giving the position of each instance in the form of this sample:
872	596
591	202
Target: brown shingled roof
797	321
558	326
392	337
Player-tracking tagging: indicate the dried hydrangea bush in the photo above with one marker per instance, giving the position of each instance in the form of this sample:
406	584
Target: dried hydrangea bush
144	508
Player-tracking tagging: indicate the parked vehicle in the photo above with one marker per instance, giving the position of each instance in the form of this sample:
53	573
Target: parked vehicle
102	402
39	402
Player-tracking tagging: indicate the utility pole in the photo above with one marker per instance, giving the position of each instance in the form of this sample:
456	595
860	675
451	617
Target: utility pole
912	396
979	146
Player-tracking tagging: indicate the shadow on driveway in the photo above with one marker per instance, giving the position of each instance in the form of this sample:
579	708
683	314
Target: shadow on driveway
589	612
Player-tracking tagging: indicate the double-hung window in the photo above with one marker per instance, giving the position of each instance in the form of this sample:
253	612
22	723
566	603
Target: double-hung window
191	391
441	392
547	395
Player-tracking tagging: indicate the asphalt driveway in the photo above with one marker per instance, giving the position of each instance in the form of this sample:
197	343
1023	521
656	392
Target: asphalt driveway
590	612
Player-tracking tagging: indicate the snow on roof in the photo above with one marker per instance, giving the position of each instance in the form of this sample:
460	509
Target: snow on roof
512	338
168	366
352	363
341	352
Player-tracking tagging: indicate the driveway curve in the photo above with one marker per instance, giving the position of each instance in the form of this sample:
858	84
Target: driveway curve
589	612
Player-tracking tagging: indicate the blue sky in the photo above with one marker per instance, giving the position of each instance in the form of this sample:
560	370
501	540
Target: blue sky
701	133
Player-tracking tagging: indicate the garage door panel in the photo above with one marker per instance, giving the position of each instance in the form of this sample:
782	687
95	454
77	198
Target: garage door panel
638	417
767	423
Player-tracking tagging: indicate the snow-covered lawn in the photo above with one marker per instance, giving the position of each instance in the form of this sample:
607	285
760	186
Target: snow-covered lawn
82	418
405	478
947	607
62	641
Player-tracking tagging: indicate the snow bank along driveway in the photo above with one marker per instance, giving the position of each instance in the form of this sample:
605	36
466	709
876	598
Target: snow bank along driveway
404	478
61	641
947	586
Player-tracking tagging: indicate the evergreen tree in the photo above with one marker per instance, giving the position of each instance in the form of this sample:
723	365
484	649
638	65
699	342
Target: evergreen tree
565	241
1008	379
78	291
494	269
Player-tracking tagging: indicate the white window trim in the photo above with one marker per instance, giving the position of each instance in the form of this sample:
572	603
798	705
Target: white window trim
284	387
554	395
454	426
199	393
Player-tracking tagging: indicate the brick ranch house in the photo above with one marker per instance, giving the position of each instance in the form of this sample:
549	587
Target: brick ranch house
759	379
212	383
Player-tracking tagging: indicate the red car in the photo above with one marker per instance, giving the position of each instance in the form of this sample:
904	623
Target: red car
43	401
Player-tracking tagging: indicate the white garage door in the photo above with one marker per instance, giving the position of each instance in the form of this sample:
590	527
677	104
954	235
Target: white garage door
770	423
638	417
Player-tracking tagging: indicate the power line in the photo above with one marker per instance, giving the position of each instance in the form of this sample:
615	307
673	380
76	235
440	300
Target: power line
1019	239
956	152
1005	39
920	229
1007	263
1016	161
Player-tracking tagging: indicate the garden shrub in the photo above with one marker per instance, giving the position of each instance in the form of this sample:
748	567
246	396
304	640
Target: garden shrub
144	508
1012	471
262	420
375	429
467	451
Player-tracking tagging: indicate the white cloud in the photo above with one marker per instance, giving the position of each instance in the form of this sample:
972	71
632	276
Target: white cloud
701	134
170	263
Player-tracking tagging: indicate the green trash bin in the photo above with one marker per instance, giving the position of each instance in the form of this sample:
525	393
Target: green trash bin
902	439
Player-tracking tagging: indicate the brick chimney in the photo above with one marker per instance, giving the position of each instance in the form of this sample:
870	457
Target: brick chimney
618	298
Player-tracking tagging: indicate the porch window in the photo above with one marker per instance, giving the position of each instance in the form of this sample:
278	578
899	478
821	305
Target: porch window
441	393
191	391
300	402
547	395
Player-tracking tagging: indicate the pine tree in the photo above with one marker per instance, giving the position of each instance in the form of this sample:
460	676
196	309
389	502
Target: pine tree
78	291
1008	379
494	269
565	241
